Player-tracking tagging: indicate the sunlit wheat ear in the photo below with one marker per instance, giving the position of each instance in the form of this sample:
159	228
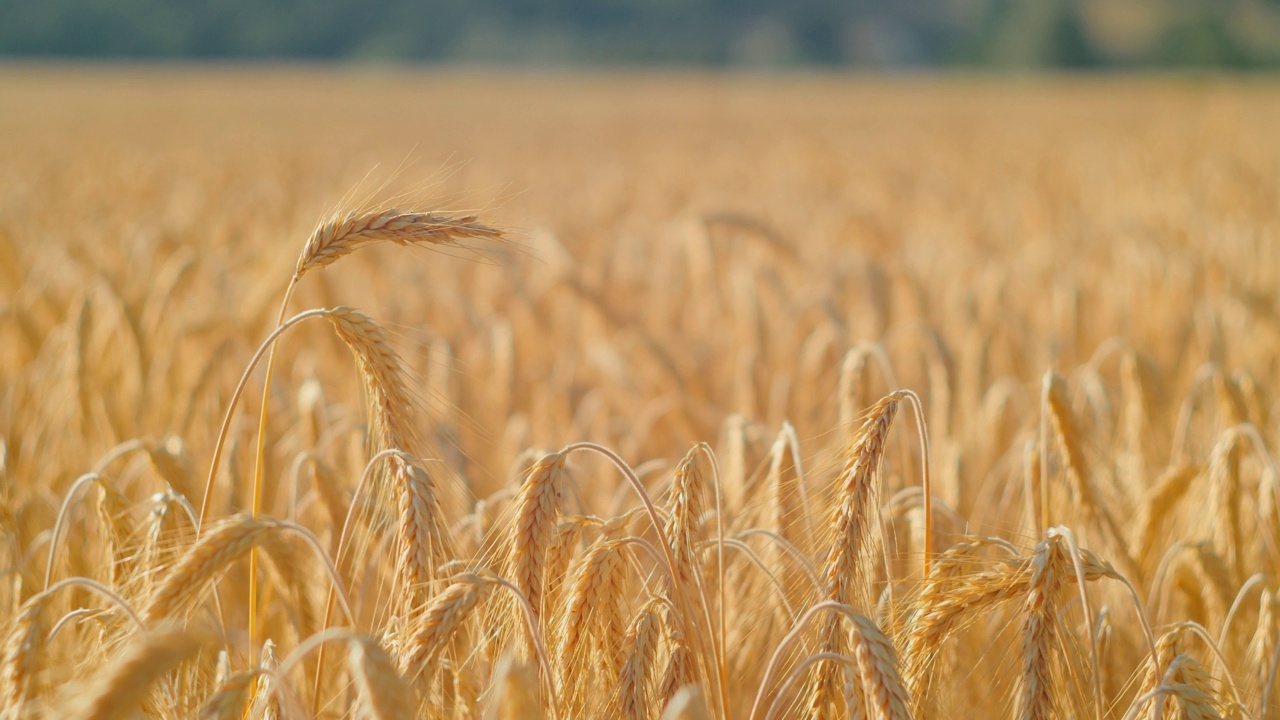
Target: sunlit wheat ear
882	684
383	694
1262	646
564	547
222	669
162	539
1133	425
424	543
332	496
119	691
26	639
290	571
438	624
1068	436
592	617
947	567
1036	699
844	574
173	463
853	370
1224	501
1186	685
853	515
1255	397
734	431
681	670
1212	581
1167	647
185	582
342	235
1231	405
684	530
533	530
952	599
391	406
422	534
633	694
312	412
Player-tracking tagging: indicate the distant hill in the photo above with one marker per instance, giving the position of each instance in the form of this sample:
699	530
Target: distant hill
867	33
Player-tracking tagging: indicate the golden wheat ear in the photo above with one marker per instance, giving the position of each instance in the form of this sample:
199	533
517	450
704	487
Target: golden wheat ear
344	235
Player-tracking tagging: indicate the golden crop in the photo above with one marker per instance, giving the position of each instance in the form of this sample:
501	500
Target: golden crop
611	396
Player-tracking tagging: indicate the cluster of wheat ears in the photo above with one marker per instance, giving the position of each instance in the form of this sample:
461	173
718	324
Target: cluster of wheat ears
987	538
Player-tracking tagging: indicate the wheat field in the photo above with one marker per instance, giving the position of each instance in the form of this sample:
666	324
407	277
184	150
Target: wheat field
372	394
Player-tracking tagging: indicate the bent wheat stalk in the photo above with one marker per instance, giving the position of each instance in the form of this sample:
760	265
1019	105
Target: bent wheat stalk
327	243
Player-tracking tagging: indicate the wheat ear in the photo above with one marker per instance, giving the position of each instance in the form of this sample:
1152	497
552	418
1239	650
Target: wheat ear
226	542
537	507
345	234
851	522
633	694
440	622
422	533
882	684
1036	698
1068	436
593	609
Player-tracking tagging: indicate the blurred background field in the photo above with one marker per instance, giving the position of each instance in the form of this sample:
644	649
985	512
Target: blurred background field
1077	273
1050	186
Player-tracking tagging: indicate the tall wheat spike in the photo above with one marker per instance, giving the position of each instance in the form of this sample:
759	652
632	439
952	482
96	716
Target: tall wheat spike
845	573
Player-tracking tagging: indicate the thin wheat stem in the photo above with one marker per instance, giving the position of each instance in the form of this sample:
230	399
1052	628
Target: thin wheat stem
221	440
79	483
787	641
